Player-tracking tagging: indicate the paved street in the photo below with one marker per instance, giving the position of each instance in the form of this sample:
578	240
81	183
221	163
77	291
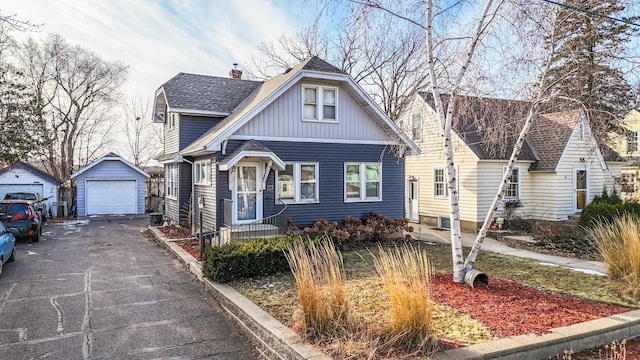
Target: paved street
97	289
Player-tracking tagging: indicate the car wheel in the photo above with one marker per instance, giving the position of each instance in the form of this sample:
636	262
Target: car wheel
36	237
0	266
12	257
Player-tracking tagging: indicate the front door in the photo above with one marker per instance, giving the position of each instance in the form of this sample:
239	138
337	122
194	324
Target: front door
412	200
248	193
581	185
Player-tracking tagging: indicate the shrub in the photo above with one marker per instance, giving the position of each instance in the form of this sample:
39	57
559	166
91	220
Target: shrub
606	198
319	274
371	228
619	244
598	212
252	258
406	274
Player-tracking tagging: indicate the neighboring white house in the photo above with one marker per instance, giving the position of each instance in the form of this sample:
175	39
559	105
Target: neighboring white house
560	169
110	185
22	176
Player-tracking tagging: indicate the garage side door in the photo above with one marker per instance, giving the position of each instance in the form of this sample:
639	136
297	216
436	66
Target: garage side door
5	188
111	197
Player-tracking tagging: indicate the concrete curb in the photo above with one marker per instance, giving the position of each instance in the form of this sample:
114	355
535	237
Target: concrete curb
271	337
276	341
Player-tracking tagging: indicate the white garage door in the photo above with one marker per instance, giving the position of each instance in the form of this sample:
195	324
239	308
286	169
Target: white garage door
5	188
111	197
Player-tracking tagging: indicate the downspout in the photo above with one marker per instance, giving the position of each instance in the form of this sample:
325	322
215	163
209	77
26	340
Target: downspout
193	195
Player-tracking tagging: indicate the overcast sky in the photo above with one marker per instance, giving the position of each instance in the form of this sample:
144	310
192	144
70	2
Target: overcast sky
160	38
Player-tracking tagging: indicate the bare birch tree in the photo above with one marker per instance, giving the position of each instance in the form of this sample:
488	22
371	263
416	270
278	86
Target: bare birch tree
456	53
75	91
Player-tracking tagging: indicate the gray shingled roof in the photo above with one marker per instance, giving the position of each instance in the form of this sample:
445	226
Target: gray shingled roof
207	93
546	140
549	135
475	125
260	94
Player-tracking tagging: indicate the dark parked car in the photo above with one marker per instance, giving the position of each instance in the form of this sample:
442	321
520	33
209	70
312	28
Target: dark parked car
21	218
7	246
36	199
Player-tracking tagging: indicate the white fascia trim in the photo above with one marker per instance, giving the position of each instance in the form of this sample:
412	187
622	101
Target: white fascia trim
279	164
392	125
90	166
311	140
185	111
594	144
215	144
155	104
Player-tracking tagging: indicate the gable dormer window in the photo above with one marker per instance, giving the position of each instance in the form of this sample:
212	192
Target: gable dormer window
320	103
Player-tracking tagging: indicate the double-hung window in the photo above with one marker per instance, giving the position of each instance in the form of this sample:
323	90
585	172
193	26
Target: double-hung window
363	182
320	103
202	172
440	189
628	182
298	183
172	180
513	187
632	141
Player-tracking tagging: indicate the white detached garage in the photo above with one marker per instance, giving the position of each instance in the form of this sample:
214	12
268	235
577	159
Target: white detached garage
110	185
22	176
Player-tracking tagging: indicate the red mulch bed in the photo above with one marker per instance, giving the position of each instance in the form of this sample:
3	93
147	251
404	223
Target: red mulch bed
508	308
191	246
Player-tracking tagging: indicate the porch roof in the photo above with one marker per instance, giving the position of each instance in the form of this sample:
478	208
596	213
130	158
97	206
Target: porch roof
251	148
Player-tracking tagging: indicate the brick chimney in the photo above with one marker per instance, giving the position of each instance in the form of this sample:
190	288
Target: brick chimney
235	73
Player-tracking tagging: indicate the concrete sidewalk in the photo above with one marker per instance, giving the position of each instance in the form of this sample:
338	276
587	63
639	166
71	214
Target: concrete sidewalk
428	233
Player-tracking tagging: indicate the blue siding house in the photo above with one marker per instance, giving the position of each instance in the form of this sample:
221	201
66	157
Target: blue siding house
110	185
303	145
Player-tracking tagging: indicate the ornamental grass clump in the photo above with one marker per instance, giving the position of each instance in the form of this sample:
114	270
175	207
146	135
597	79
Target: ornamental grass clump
318	271
406	274
618	243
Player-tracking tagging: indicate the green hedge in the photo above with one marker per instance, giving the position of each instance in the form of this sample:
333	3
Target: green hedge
606	212
248	259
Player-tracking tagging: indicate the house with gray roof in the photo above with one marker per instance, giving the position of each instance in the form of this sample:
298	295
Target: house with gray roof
561	167
243	155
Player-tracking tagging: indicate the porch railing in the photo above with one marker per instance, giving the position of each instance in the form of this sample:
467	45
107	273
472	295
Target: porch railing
269	226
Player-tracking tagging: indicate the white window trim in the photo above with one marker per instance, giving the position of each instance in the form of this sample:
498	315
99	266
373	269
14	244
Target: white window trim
320	103
519	183
297	182
171	181
633	182
172	120
207	169
445	182
363	182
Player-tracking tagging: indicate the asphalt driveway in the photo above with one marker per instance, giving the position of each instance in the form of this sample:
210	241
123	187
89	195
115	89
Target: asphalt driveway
97	289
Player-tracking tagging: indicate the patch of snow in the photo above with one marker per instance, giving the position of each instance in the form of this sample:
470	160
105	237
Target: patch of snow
589	271
549	264
29	252
584	271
